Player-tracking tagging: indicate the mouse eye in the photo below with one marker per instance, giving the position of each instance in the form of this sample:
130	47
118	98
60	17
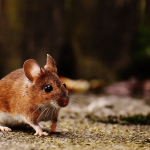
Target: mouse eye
64	85
48	88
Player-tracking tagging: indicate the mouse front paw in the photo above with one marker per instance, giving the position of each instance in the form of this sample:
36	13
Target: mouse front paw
53	127
54	131
40	132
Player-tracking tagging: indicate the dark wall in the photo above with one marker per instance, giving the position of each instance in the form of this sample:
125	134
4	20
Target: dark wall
103	35
88	39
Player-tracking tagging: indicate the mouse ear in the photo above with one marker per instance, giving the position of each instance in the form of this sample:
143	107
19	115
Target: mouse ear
50	64
32	69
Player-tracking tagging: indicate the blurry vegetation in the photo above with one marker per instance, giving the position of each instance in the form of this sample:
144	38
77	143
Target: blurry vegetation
88	39
143	46
135	119
109	119
143	35
140	63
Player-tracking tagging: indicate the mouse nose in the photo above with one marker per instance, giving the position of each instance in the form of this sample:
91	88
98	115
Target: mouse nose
63	102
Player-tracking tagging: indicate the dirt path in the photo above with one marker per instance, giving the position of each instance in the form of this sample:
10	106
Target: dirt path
78	132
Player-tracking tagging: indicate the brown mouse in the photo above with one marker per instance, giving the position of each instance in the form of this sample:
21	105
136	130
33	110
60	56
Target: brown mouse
32	94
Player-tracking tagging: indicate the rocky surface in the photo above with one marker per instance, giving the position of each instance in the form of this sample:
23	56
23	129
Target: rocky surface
79	132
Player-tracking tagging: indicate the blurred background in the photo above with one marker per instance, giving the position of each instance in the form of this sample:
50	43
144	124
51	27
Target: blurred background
107	40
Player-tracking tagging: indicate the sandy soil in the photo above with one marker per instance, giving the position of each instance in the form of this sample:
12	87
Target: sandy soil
80	132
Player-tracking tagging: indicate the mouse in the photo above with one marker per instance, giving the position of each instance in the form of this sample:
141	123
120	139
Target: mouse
32	94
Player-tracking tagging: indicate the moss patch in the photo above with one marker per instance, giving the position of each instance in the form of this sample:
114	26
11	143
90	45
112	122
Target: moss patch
134	119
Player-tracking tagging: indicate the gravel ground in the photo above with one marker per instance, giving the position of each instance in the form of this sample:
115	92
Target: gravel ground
79	132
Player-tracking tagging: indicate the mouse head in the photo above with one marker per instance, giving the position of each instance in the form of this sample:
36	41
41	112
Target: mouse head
44	85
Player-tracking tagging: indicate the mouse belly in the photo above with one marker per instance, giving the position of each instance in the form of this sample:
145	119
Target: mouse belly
10	120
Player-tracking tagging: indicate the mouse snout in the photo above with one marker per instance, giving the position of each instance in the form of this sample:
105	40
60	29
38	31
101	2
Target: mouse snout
62	102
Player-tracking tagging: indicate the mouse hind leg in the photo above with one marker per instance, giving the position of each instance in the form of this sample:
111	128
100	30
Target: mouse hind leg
3	128
6	121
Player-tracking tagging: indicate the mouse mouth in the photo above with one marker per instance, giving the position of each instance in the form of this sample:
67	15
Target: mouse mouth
64	104
55	104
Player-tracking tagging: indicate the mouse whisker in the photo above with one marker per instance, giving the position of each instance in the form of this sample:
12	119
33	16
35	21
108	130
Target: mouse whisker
42	113
52	114
34	111
46	113
76	101
76	97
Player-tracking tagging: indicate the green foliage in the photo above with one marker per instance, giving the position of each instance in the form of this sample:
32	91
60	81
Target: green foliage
140	56
109	119
143	45
134	119
137	119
